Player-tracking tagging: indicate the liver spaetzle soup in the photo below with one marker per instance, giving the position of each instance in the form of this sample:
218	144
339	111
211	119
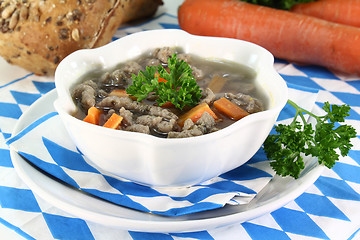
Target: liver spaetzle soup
224	92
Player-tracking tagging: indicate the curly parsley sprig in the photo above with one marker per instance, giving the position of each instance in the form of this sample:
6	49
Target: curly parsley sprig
178	86
324	141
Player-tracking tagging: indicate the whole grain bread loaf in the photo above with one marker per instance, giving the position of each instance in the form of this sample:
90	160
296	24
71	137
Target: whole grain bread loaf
38	34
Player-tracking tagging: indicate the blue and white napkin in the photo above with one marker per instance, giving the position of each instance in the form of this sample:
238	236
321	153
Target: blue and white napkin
55	153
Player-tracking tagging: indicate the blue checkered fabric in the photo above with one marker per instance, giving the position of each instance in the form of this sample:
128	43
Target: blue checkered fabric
49	153
329	209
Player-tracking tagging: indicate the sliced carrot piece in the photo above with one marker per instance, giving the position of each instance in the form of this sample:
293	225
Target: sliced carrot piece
230	109
217	83
195	113
114	121
93	116
119	93
167	105
160	78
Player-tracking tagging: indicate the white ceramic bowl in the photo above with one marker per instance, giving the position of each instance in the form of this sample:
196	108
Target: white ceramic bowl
154	161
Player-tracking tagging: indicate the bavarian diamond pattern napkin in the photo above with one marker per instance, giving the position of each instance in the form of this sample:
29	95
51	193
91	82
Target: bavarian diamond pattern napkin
55	153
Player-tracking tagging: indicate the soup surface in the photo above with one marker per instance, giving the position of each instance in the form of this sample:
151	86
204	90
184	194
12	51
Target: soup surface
225	93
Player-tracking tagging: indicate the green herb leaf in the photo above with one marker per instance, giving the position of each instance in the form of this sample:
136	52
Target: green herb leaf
298	139
279	4
180	87
143	83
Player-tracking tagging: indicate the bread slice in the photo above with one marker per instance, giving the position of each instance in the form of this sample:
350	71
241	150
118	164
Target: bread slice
38	34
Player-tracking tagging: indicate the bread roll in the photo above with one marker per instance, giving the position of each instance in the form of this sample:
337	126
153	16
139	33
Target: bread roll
38	34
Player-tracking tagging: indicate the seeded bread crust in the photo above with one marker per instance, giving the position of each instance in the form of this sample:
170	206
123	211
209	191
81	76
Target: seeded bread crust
37	34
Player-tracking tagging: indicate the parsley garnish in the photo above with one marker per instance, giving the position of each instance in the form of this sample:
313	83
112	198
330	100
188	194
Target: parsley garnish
180	87
325	141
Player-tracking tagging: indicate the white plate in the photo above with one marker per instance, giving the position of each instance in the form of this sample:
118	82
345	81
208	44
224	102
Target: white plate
279	192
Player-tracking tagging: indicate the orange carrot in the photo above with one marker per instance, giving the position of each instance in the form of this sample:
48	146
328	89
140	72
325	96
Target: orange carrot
93	116
167	105
160	78
340	11
119	93
195	113
217	83
285	34
230	109
114	121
